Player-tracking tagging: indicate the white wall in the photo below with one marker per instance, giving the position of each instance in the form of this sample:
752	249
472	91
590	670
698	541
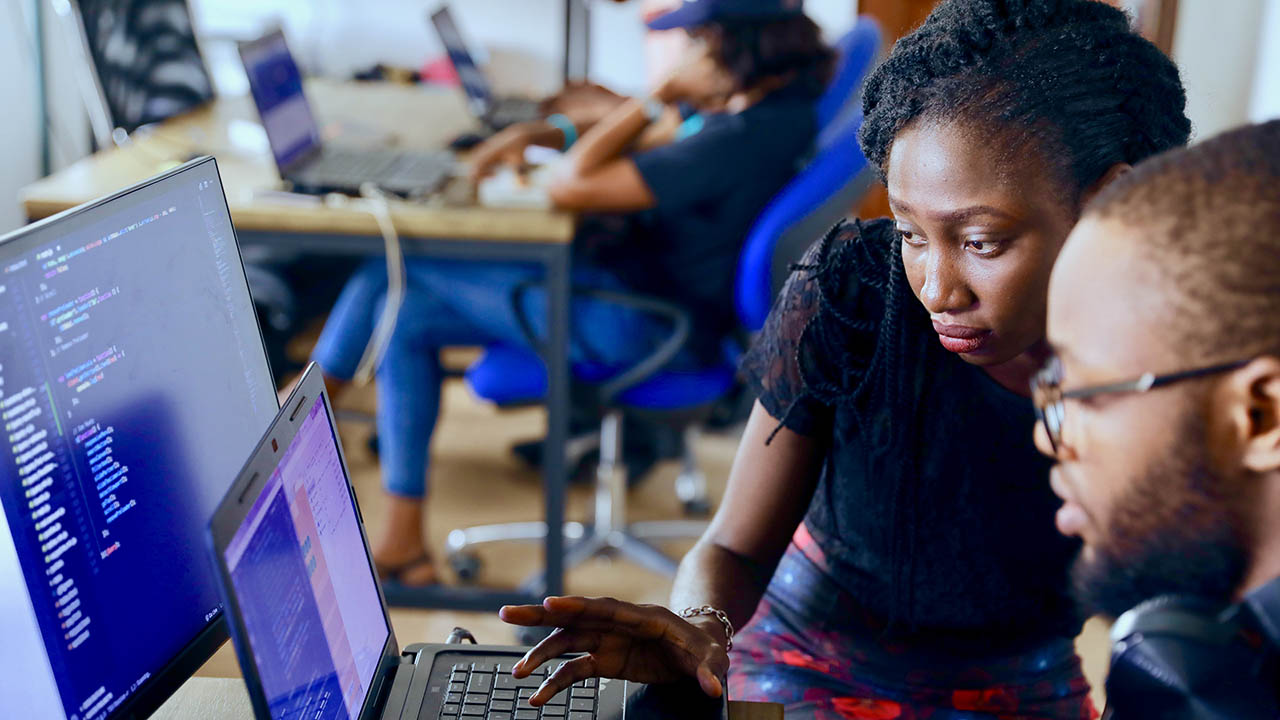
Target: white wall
1216	46
1266	87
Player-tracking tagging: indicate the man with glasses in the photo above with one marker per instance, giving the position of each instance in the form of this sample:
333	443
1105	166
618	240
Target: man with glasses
1162	407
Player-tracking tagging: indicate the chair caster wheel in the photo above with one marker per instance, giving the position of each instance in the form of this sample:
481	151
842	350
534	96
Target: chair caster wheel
697	508
466	566
531	636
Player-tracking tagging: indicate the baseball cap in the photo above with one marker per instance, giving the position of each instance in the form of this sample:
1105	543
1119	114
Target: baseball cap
693	13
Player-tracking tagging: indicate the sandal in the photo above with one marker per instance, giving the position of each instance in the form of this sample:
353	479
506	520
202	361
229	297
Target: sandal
413	569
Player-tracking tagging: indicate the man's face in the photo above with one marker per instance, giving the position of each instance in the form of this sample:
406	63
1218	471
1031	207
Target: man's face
1135	471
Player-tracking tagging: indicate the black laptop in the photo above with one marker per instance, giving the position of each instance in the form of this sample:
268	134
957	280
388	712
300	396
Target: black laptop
496	112
310	165
310	624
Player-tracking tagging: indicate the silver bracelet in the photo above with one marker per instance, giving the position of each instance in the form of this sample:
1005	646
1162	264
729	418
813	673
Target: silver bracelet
715	613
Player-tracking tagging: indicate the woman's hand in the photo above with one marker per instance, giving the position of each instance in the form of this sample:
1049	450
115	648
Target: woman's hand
505	148
641	643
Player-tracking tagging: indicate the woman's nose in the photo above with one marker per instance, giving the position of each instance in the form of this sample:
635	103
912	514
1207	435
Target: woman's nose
945	289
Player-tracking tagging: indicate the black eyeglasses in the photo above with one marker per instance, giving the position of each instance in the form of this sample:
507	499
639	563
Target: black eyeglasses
1048	395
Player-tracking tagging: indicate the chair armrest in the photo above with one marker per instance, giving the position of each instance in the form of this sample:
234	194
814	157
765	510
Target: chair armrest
666	351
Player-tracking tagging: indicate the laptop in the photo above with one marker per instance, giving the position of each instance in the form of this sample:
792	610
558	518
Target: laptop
495	112
308	617
133	382
310	165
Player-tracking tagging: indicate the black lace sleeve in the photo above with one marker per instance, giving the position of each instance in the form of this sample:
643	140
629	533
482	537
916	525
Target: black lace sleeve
819	339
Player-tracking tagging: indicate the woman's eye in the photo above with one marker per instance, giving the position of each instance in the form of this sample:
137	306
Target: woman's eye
909	237
982	247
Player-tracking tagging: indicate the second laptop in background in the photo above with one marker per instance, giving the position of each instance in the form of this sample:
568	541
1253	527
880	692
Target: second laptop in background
303	160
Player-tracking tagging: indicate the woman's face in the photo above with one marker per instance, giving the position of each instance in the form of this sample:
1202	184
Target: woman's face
980	227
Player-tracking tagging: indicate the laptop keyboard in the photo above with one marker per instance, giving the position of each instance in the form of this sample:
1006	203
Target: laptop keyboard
487	690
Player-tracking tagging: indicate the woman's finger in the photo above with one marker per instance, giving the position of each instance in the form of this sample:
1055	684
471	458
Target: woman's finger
560	642
525	615
569	672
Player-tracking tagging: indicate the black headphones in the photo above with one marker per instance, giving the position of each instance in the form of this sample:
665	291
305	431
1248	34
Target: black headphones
1185	658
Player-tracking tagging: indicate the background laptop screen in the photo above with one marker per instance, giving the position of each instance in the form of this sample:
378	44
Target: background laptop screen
133	385
276	85
301	577
472	79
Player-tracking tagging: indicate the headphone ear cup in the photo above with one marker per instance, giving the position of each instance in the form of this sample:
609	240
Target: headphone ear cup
1173	657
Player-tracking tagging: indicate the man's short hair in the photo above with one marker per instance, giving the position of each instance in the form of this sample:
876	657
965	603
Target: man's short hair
1209	215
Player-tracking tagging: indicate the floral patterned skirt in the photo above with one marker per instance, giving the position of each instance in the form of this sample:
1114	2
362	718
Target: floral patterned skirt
811	647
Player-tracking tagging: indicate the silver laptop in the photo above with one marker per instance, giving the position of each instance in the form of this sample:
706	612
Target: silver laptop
494	111
310	624
303	160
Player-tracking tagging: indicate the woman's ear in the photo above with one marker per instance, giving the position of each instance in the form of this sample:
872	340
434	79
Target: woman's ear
1112	173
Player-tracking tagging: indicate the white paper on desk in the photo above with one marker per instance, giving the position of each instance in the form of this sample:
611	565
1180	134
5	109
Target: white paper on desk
509	189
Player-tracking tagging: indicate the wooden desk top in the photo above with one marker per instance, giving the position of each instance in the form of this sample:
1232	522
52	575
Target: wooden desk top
357	113
204	698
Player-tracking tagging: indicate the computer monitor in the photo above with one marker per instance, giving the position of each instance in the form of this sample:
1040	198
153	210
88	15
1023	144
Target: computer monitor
474	83
133	385
276	84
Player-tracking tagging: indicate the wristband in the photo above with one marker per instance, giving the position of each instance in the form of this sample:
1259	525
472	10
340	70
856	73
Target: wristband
715	613
566	126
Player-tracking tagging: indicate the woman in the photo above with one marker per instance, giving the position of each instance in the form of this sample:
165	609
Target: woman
927	579
680	203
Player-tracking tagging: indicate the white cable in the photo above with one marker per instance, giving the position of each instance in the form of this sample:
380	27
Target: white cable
378	206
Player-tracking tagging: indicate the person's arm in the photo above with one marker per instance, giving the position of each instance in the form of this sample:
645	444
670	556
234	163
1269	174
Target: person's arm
769	490
597	175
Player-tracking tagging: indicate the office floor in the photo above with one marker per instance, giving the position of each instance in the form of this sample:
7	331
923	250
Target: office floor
470	453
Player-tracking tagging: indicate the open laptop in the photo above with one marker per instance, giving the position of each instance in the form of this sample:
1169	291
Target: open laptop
303	160
495	112
309	621
133	381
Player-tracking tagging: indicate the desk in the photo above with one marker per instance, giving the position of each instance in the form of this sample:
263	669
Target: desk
226	699
448	226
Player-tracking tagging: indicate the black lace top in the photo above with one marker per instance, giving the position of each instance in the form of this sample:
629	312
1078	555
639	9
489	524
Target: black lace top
934	507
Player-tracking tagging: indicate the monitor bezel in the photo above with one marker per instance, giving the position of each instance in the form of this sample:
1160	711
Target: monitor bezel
235	507
245	48
163	683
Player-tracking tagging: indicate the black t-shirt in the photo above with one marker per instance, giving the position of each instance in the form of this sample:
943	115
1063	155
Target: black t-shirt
933	505
710	188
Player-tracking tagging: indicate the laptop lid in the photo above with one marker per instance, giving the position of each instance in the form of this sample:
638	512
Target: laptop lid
133	381
474	83
275	82
307	614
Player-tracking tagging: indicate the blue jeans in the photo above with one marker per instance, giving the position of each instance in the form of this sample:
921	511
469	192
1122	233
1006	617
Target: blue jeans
449	303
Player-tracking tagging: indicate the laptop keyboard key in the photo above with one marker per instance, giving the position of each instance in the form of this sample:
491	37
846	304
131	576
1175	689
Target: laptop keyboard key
457	687
498	716
449	711
472	698
501	706
504	681
501	694
557	711
580	704
473	710
560	698
526	714
480	683
582	716
581	692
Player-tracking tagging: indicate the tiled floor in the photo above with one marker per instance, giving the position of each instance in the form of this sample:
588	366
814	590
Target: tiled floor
470	453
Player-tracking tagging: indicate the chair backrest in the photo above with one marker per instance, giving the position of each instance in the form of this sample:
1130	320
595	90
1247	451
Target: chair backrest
811	203
855	52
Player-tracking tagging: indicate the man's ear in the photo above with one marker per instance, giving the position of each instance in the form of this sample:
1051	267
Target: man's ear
1112	173
1253	405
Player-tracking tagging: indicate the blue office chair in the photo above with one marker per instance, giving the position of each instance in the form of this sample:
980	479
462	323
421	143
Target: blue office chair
856	52
506	375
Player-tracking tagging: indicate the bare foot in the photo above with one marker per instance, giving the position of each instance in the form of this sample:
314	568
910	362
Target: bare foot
401	552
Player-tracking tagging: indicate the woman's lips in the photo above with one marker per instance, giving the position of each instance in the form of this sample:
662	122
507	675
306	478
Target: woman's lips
961	339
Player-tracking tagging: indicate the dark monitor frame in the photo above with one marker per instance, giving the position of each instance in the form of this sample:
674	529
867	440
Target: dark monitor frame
163	683
246	48
239	501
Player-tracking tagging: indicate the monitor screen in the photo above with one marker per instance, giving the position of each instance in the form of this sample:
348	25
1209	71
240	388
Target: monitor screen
302	580
276	85
133	386
473	80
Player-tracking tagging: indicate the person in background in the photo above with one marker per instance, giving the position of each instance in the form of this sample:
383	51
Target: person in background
678	212
894	418
1161	404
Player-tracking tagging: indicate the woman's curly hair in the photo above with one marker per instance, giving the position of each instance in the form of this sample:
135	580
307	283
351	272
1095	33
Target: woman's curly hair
1070	77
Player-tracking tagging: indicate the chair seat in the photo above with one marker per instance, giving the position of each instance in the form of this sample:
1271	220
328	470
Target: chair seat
510	375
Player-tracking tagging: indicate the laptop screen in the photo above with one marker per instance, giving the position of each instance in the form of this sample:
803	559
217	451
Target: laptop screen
302	579
276	85
473	80
133	383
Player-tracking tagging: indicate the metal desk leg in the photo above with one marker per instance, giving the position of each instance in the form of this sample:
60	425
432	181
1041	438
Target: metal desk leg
558	409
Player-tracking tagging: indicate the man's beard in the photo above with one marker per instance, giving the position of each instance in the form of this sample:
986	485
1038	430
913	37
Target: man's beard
1176	531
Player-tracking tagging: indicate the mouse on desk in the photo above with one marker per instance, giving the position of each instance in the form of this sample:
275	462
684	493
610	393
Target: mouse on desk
466	141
